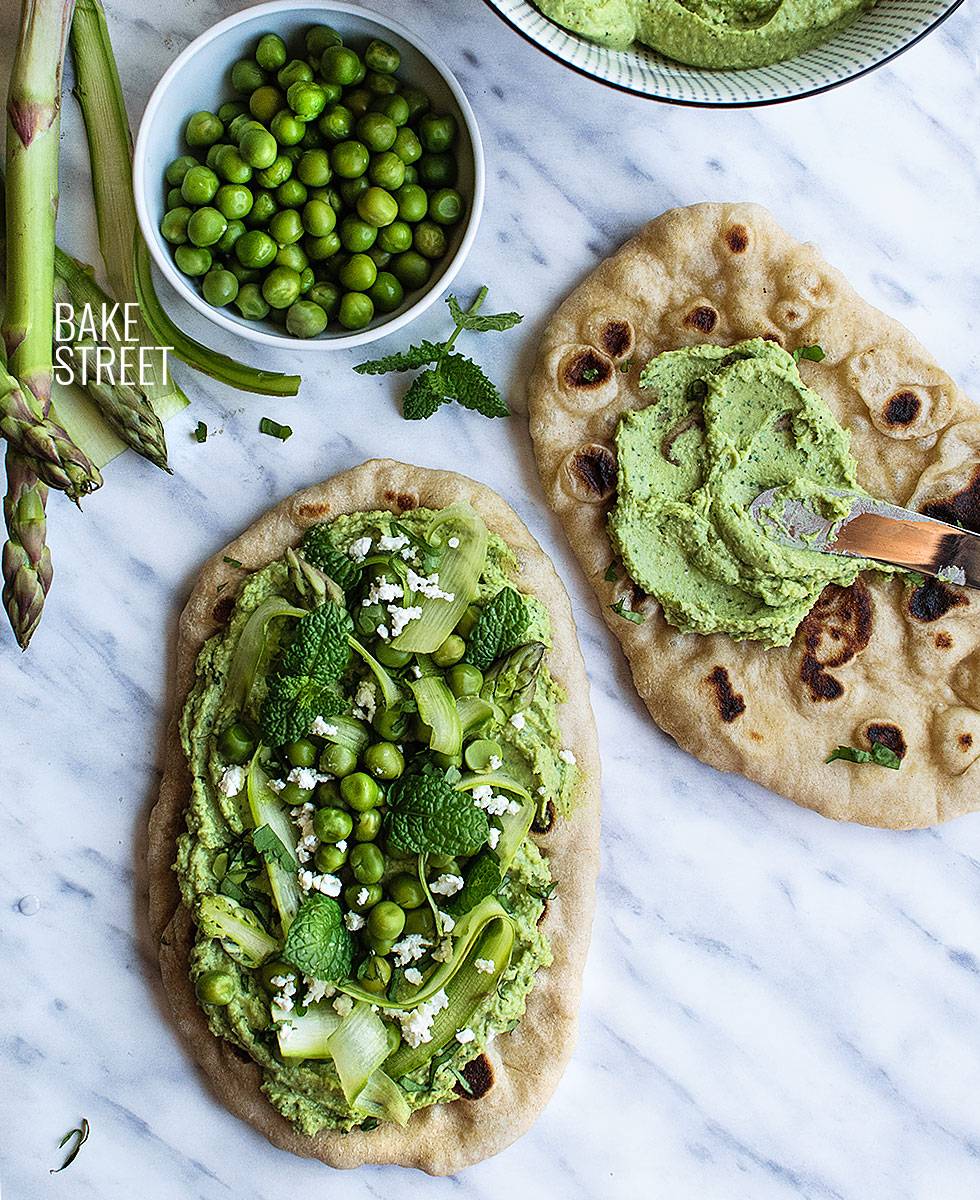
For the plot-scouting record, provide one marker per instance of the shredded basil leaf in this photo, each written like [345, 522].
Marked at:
[612, 572]
[810, 353]
[622, 609]
[81, 1137]
[879, 754]
[274, 429]
[201, 432]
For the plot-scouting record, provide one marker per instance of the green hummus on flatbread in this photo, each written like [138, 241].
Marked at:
[709, 33]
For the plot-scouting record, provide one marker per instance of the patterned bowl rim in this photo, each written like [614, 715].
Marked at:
[679, 103]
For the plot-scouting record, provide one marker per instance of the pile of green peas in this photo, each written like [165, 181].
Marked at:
[325, 193]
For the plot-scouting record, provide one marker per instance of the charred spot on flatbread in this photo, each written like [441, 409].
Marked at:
[884, 733]
[617, 338]
[962, 508]
[402, 501]
[737, 239]
[943, 641]
[902, 408]
[222, 609]
[478, 1074]
[309, 513]
[965, 741]
[591, 472]
[933, 599]
[586, 370]
[702, 317]
[837, 628]
[731, 704]
[545, 819]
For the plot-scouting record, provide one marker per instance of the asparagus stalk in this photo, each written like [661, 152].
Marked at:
[33, 128]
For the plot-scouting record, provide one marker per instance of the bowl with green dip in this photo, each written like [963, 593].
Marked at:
[724, 53]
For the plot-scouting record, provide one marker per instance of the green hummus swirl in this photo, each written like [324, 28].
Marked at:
[309, 1092]
[724, 425]
[720, 34]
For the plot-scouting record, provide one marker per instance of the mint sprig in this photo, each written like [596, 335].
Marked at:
[450, 376]
[318, 943]
[880, 754]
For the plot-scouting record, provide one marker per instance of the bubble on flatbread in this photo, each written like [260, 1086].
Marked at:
[905, 399]
[883, 732]
[836, 629]
[611, 333]
[932, 599]
[589, 473]
[803, 284]
[737, 238]
[702, 317]
[790, 314]
[966, 679]
[586, 378]
[956, 738]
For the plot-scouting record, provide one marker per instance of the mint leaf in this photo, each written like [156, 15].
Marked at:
[612, 572]
[319, 646]
[465, 382]
[483, 323]
[421, 355]
[318, 943]
[500, 627]
[622, 609]
[879, 754]
[427, 815]
[292, 705]
[272, 848]
[810, 353]
[318, 549]
[483, 877]
[201, 432]
[424, 397]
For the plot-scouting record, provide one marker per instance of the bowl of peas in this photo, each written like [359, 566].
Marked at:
[309, 175]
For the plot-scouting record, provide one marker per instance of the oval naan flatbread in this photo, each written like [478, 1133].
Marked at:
[522, 1068]
[882, 660]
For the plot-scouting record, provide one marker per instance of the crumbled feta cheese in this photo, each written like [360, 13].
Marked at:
[354, 921]
[518, 720]
[316, 990]
[416, 671]
[328, 885]
[363, 896]
[494, 837]
[232, 781]
[341, 845]
[381, 591]
[542, 790]
[417, 1024]
[392, 542]
[382, 632]
[465, 1036]
[400, 617]
[322, 728]
[277, 784]
[306, 777]
[447, 885]
[496, 806]
[360, 549]
[486, 965]
[567, 756]
[428, 585]
[366, 700]
[444, 951]
[496, 762]
[446, 922]
[285, 986]
[413, 975]
[409, 949]
[453, 543]
[343, 1005]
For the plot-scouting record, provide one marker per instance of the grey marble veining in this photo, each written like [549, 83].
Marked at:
[775, 1007]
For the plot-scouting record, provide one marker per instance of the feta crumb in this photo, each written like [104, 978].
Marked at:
[444, 951]
[391, 542]
[518, 720]
[381, 591]
[486, 965]
[447, 885]
[446, 922]
[343, 1005]
[417, 1024]
[453, 543]
[496, 762]
[465, 1036]
[366, 700]
[360, 549]
[400, 617]
[494, 837]
[354, 921]
[303, 820]
[409, 949]
[316, 990]
[542, 790]
[382, 632]
[428, 585]
[232, 781]
[327, 885]
[322, 728]
[341, 845]
[285, 986]
[567, 756]
[306, 777]
[416, 671]
[363, 896]
[277, 784]
[413, 975]
[496, 806]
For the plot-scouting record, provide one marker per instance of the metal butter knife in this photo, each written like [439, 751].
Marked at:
[876, 530]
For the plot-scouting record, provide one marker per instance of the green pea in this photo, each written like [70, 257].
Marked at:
[273, 970]
[368, 825]
[301, 753]
[249, 302]
[174, 225]
[478, 753]
[406, 891]
[418, 102]
[228, 239]
[307, 100]
[337, 123]
[351, 190]
[393, 725]
[295, 71]
[270, 53]
[384, 760]
[380, 85]
[327, 296]
[305, 318]
[394, 107]
[437, 133]
[464, 680]
[291, 194]
[360, 896]
[411, 173]
[275, 174]
[429, 239]
[437, 170]
[379, 947]
[306, 281]
[446, 206]
[386, 292]
[220, 287]
[242, 274]
[334, 825]
[233, 201]
[212, 155]
[327, 794]
[367, 862]
[265, 102]
[246, 76]
[420, 920]
[330, 859]
[360, 791]
[313, 168]
[294, 153]
[258, 147]
[358, 273]
[369, 617]
[292, 255]
[236, 743]
[293, 795]
[203, 129]
[193, 260]
[350, 159]
[357, 235]
[329, 195]
[175, 198]
[199, 185]
[406, 147]
[321, 248]
[286, 227]
[395, 238]
[280, 288]
[338, 760]
[339, 64]
[450, 652]
[230, 166]
[287, 128]
[319, 218]
[238, 125]
[377, 131]
[356, 310]
[374, 974]
[386, 921]
[230, 110]
[411, 270]
[255, 249]
[263, 207]
[413, 203]
[176, 171]
[388, 171]
[319, 37]
[380, 56]
[312, 138]
[215, 987]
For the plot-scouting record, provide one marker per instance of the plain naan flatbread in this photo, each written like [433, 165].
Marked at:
[524, 1066]
[882, 660]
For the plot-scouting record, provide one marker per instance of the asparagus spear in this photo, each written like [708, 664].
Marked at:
[33, 128]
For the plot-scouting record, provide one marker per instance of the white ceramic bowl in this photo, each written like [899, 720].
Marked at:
[874, 39]
[198, 79]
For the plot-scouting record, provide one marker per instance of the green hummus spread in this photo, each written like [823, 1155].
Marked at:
[709, 33]
[724, 425]
[232, 871]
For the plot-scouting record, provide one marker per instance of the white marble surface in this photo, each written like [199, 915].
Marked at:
[775, 1006]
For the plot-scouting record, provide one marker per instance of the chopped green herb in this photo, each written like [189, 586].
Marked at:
[232, 562]
[915, 578]
[544, 894]
[450, 376]
[612, 572]
[622, 609]
[810, 353]
[463, 1082]
[272, 848]
[274, 429]
[626, 366]
[369, 1123]
[882, 756]
[81, 1137]
[589, 374]
[201, 432]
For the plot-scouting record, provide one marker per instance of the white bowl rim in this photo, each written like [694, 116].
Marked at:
[260, 335]
[678, 102]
